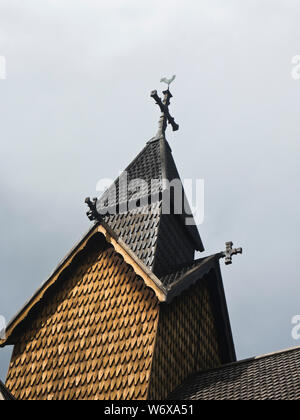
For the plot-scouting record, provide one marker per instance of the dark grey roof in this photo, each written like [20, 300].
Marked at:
[177, 275]
[139, 230]
[274, 376]
[5, 395]
[146, 166]
[162, 241]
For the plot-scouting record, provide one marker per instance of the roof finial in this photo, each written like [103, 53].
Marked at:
[92, 214]
[229, 252]
[164, 107]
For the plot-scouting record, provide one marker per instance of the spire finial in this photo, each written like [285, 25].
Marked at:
[164, 107]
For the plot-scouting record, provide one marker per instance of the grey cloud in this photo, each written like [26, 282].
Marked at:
[76, 107]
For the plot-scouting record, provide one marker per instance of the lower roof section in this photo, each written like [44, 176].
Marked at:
[5, 395]
[274, 376]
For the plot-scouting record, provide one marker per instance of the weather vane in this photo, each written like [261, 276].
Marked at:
[168, 81]
[164, 107]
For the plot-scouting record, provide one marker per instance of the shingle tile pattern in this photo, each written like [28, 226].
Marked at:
[271, 377]
[161, 241]
[181, 271]
[139, 230]
[92, 339]
[147, 166]
[187, 339]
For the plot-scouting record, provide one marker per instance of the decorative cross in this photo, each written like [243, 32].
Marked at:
[229, 252]
[165, 116]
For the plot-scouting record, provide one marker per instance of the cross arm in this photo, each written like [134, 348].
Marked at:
[157, 99]
[171, 121]
[164, 107]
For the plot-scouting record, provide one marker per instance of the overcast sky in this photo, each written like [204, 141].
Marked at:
[76, 108]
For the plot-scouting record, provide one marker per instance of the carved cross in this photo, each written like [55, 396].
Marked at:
[165, 116]
[229, 252]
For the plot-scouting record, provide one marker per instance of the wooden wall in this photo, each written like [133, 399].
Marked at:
[93, 338]
[187, 340]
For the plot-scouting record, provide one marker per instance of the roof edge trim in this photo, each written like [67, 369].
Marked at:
[191, 277]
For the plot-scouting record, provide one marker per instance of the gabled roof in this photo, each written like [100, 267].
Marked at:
[165, 288]
[5, 395]
[93, 338]
[147, 230]
[99, 233]
[186, 270]
[274, 376]
[159, 246]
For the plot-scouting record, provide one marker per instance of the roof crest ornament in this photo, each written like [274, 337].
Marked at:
[165, 117]
[229, 252]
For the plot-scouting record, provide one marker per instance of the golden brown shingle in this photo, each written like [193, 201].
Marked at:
[187, 339]
[92, 339]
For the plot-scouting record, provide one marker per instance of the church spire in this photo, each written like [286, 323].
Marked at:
[147, 207]
[129, 313]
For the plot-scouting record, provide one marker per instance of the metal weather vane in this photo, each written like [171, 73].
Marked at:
[164, 107]
[168, 81]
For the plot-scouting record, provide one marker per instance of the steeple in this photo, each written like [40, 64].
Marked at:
[128, 313]
[147, 207]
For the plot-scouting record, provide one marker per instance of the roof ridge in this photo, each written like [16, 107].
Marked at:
[186, 279]
[188, 264]
[247, 360]
[274, 353]
[170, 172]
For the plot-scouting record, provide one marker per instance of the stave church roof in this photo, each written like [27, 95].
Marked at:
[130, 313]
[274, 376]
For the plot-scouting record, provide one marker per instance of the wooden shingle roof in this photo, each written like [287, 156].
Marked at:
[146, 230]
[90, 330]
[274, 376]
[93, 338]
[98, 233]
[165, 288]
[156, 245]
